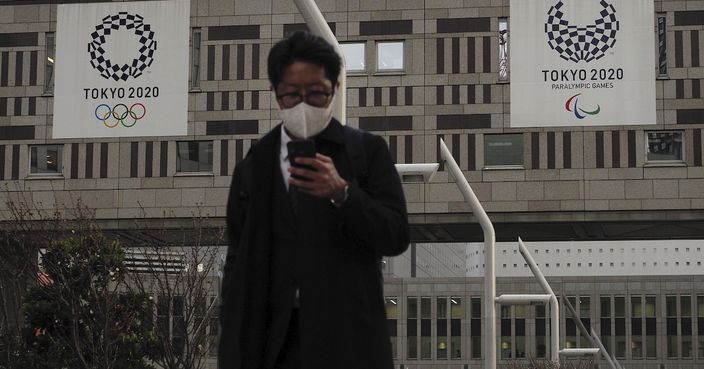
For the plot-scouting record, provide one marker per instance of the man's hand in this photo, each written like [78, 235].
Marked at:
[323, 181]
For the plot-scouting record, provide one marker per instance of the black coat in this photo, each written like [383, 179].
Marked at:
[342, 313]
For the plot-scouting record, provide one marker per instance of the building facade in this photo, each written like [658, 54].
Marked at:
[418, 71]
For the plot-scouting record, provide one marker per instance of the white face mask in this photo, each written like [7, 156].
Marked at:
[304, 121]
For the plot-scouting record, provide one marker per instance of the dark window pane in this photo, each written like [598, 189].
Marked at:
[456, 327]
[411, 327]
[664, 146]
[506, 328]
[605, 327]
[476, 308]
[194, 156]
[425, 327]
[636, 328]
[476, 327]
[650, 326]
[605, 306]
[520, 327]
[686, 326]
[620, 327]
[671, 308]
[503, 149]
[442, 327]
[570, 328]
[540, 327]
[671, 326]
[442, 307]
[412, 308]
[46, 159]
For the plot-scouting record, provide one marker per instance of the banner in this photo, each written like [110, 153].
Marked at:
[121, 69]
[582, 62]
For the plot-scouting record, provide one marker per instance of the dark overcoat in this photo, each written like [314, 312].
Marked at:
[342, 314]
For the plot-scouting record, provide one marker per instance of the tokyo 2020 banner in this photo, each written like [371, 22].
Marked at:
[582, 62]
[121, 69]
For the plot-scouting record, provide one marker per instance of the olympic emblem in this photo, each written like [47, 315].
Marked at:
[117, 72]
[121, 114]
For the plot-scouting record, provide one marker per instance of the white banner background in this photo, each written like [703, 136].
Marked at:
[536, 102]
[162, 88]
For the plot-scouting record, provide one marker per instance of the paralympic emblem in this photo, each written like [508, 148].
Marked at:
[120, 114]
[571, 106]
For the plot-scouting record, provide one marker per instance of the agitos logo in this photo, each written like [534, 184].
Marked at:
[145, 57]
[572, 106]
[586, 43]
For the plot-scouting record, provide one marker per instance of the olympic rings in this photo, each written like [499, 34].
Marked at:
[120, 112]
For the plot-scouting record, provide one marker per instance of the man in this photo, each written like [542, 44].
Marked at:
[302, 285]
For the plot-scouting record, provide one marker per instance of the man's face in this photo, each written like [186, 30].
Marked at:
[304, 81]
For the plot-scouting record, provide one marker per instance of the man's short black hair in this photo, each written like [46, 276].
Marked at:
[305, 47]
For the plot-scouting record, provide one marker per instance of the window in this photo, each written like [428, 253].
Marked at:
[650, 328]
[456, 314]
[662, 44]
[540, 325]
[503, 149]
[520, 327]
[620, 326]
[671, 325]
[686, 322]
[195, 62]
[389, 56]
[426, 340]
[476, 328]
[392, 319]
[503, 49]
[49, 64]
[412, 327]
[665, 146]
[700, 325]
[441, 328]
[606, 331]
[506, 332]
[46, 159]
[636, 327]
[194, 156]
[354, 56]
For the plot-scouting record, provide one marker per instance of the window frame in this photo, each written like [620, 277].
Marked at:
[364, 57]
[60, 159]
[195, 60]
[403, 57]
[504, 166]
[212, 159]
[662, 65]
[49, 63]
[675, 162]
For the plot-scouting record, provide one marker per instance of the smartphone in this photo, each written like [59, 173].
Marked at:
[300, 148]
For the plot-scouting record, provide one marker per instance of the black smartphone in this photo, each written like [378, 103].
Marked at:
[300, 148]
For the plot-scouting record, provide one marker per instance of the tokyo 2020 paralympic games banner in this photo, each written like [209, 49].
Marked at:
[121, 69]
[582, 62]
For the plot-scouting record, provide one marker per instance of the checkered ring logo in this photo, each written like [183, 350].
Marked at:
[586, 43]
[145, 54]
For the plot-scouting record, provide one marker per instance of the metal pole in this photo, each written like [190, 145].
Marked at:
[554, 305]
[603, 350]
[318, 26]
[489, 257]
